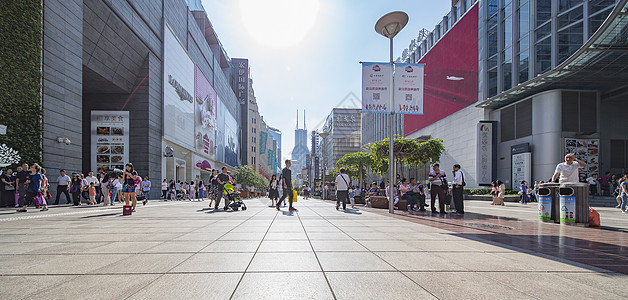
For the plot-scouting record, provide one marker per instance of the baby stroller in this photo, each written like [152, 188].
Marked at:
[232, 197]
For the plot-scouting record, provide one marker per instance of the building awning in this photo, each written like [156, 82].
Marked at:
[600, 64]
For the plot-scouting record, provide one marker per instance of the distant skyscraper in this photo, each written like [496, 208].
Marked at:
[300, 151]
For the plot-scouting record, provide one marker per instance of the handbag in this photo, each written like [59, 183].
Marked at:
[40, 200]
[9, 187]
[294, 195]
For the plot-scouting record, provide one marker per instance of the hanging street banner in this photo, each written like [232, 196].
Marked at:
[409, 88]
[376, 79]
[263, 137]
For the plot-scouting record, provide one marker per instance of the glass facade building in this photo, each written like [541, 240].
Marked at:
[526, 38]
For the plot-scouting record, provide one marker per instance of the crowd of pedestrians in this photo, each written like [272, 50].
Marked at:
[29, 186]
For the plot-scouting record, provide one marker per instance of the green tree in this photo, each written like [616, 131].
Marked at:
[411, 152]
[245, 175]
[356, 164]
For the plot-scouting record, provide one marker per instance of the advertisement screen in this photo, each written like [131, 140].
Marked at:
[451, 74]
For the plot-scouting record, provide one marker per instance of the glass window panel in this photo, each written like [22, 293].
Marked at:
[543, 56]
[524, 59]
[570, 17]
[543, 11]
[491, 62]
[543, 31]
[508, 10]
[507, 32]
[507, 75]
[492, 41]
[492, 82]
[492, 21]
[598, 5]
[524, 20]
[564, 5]
[507, 123]
[524, 43]
[507, 54]
[492, 7]
[596, 21]
[569, 40]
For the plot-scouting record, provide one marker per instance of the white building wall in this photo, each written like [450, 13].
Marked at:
[458, 132]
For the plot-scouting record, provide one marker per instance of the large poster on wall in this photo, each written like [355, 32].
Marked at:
[178, 93]
[205, 115]
[376, 79]
[110, 140]
[587, 150]
[409, 88]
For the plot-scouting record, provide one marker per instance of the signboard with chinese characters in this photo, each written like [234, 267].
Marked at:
[586, 150]
[109, 140]
[484, 153]
[178, 92]
[409, 88]
[376, 79]
[521, 169]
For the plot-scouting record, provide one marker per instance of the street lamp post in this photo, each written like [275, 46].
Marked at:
[389, 26]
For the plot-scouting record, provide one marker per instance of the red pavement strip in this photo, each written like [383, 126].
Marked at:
[598, 247]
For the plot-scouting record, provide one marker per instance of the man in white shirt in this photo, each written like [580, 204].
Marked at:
[592, 181]
[63, 184]
[568, 171]
[342, 189]
[457, 186]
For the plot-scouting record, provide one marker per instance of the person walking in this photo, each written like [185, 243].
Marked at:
[458, 189]
[342, 189]
[437, 179]
[222, 178]
[287, 185]
[568, 171]
[145, 189]
[75, 189]
[91, 191]
[33, 186]
[592, 181]
[200, 190]
[623, 186]
[164, 189]
[105, 189]
[273, 193]
[20, 183]
[128, 189]
[93, 179]
[523, 191]
[43, 195]
[63, 186]
[280, 187]
[8, 180]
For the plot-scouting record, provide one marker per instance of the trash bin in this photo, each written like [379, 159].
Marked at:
[574, 203]
[548, 202]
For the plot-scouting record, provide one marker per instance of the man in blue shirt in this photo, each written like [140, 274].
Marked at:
[34, 186]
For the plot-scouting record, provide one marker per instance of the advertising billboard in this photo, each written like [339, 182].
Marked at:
[178, 94]
[409, 88]
[451, 74]
[376, 79]
[205, 115]
[110, 140]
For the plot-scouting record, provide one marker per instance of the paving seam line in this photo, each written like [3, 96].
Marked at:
[316, 255]
[255, 253]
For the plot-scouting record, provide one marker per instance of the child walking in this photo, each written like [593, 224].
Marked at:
[92, 194]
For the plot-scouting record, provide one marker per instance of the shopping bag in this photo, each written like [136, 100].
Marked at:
[126, 210]
[594, 218]
[40, 200]
[294, 196]
[17, 198]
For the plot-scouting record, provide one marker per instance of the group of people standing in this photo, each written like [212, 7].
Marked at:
[32, 187]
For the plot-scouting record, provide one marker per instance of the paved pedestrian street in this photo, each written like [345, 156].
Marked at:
[183, 250]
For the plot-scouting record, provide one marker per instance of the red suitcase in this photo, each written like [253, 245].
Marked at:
[126, 210]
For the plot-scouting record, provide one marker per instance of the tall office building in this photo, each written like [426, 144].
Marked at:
[300, 150]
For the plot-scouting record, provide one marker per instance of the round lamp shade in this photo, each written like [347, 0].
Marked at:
[391, 23]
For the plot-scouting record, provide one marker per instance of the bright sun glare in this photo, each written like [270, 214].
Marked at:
[279, 23]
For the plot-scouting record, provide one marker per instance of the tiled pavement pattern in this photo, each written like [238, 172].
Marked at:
[185, 251]
[517, 225]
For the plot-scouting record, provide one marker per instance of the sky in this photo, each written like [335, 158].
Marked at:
[306, 54]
